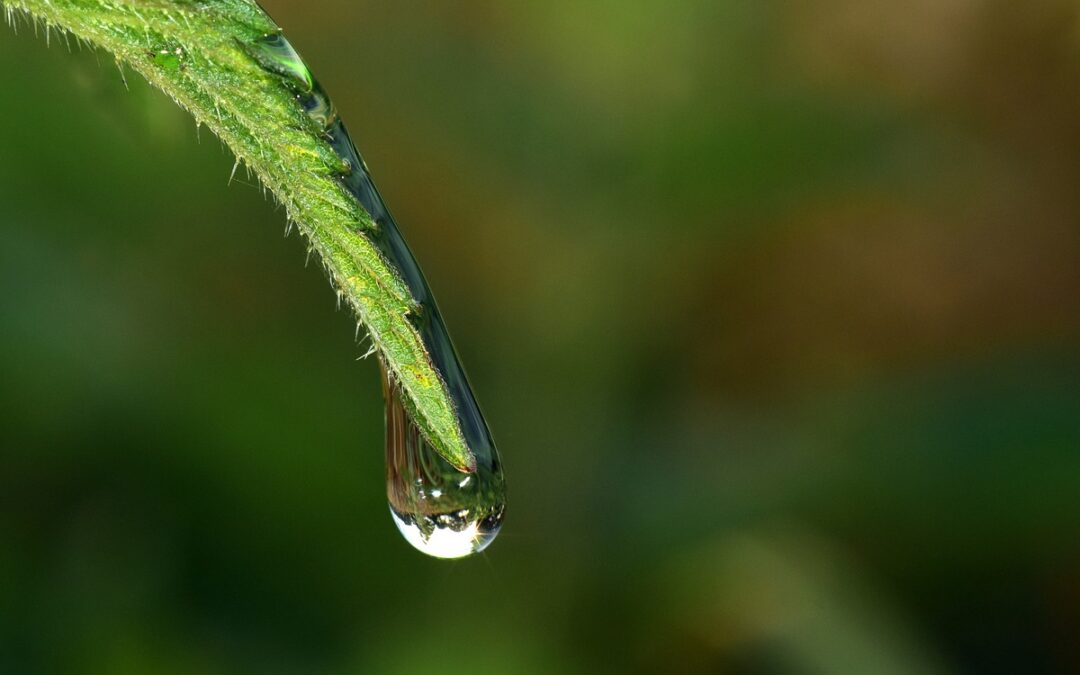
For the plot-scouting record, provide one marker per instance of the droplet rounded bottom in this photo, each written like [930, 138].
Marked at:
[448, 535]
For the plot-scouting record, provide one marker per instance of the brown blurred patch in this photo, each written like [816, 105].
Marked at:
[908, 47]
[978, 252]
[875, 284]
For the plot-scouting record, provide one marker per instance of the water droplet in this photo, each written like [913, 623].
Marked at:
[441, 511]
[318, 107]
[274, 53]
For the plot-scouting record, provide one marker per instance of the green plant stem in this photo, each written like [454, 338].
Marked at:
[194, 51]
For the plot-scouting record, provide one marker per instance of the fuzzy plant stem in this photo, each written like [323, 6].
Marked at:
[199, 53]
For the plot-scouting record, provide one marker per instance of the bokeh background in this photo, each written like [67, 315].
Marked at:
[773, 307]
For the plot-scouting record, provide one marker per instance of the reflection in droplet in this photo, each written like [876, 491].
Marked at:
[438, 509]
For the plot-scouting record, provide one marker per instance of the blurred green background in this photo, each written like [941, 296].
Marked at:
[773, 308]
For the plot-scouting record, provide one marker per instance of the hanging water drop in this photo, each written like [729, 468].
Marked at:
[441, 511]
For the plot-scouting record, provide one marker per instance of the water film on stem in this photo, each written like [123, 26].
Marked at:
[441, 510]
